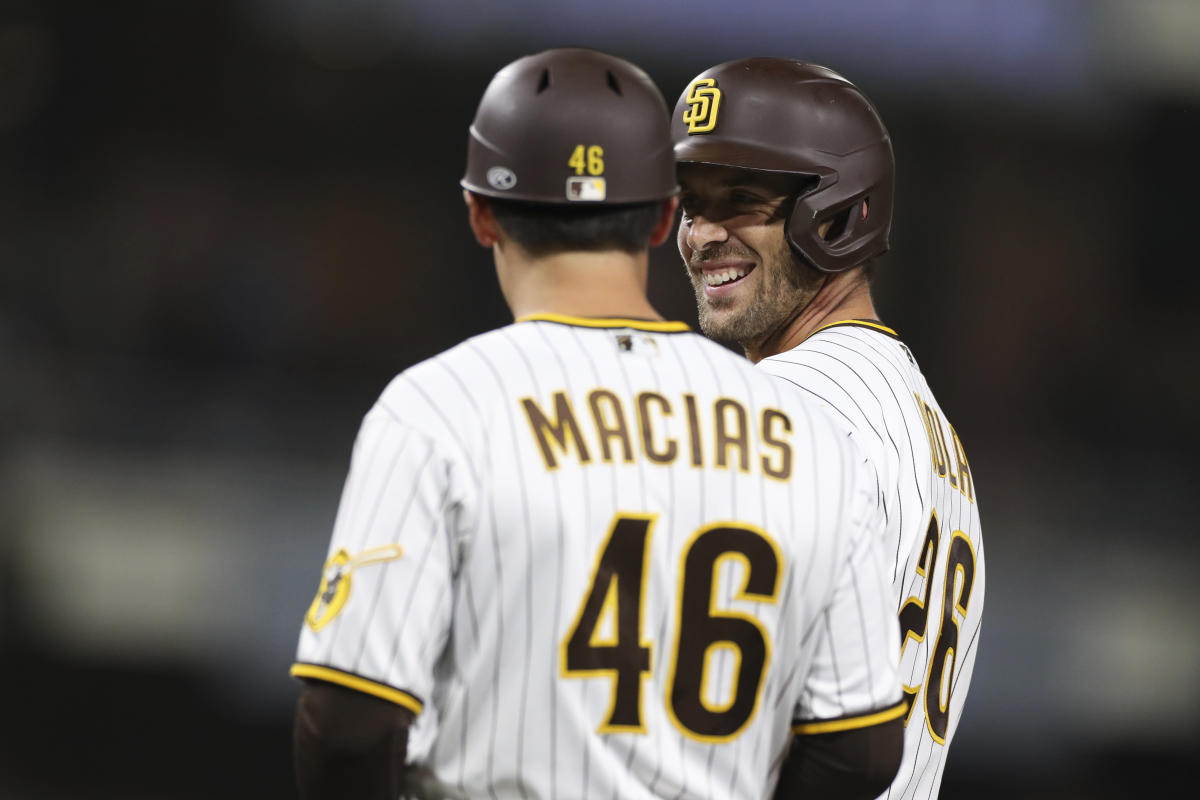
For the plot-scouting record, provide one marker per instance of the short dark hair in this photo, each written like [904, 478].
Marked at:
[543, 229]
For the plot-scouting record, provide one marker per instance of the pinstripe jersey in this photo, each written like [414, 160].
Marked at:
[867, 377]
[605, 559]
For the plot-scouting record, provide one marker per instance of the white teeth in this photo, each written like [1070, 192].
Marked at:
[721, 276]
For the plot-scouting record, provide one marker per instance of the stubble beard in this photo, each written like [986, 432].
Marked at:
[784, 288]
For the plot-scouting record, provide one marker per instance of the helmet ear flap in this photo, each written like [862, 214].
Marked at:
[846, 224]
[834, 238]
[837, 226]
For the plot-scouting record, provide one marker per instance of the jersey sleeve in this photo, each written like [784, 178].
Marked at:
[853, 682]
[381, 615]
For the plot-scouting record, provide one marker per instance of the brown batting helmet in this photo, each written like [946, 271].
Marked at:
[780, 115]
[571, 125]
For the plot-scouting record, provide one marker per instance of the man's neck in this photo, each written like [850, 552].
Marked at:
[843, 295]
[604, 284]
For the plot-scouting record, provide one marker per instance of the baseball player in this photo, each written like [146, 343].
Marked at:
[786, 173]
[592, 554]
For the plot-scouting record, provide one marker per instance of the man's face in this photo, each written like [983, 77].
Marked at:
[748, 283]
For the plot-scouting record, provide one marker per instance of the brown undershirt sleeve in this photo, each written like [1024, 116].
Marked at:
[347, 744]
[857, 764]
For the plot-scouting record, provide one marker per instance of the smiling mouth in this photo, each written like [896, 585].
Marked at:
[724, 276]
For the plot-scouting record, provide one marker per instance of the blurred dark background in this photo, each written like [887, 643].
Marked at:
[225, 225]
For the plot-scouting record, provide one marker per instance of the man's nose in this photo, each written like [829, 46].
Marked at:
[705, 231]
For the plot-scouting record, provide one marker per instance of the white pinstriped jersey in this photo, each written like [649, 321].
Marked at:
[606, 559]
[871, 382]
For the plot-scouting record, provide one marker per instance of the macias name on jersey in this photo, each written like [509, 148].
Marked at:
[959, 474]
[602, 426]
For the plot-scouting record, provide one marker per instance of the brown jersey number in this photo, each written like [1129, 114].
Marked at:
[914, 622]
[606, 638]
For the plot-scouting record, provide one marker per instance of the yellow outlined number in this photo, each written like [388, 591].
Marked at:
[703, 630]
[605, 639]
[616, 595]
[587, 159]
[914, 619]
[914, 614]
[961, 559]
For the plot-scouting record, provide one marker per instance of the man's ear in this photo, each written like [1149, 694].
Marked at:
[666, 222]
[479, 216]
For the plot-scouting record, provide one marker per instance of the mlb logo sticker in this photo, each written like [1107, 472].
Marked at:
[587, 190]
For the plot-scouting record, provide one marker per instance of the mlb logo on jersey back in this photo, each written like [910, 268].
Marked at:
[640, 344]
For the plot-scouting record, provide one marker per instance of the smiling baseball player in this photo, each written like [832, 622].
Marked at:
[786, 173]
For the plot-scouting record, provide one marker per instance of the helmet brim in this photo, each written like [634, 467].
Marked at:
[740, 155]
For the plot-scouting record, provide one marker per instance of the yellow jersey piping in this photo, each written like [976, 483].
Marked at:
[851, 723]
[860, 323]
[657, 326]
[382, 691]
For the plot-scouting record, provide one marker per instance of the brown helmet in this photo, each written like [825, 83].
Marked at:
[571, 125]
[780, 115]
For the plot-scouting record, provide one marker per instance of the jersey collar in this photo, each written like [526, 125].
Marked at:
[860, 323]
[658, 326]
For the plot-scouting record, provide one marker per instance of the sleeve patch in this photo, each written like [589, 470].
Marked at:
[334, 589]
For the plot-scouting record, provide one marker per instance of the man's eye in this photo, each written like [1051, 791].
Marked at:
[744, 198]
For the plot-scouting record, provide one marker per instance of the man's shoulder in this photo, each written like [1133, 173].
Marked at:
[448, 388]
[848, 356]
[467, 365]
[851, 340]
[862, 373]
